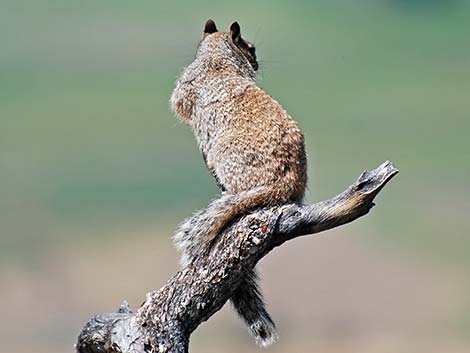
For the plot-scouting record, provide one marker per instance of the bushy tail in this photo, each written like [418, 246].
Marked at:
[248, 302]
[195, 235]
[194, 238]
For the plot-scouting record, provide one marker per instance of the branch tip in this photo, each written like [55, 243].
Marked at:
[372, 181]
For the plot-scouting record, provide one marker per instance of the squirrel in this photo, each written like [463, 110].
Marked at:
[251, 146]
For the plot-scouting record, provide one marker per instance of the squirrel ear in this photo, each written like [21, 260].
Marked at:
[210, 27]
[235, 31]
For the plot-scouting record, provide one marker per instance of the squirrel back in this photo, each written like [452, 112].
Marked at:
[247, 139]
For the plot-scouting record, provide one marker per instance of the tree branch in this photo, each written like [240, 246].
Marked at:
[165, 321]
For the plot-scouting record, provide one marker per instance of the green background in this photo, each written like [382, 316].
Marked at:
[95, 171]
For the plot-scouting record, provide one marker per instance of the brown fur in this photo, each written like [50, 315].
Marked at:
[249, 142]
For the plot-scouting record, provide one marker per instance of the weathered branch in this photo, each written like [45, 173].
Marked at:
[165, 321]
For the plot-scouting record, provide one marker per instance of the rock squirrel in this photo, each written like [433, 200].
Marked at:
[251, 146]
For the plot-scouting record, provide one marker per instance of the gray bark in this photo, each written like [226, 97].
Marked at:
[168, 316]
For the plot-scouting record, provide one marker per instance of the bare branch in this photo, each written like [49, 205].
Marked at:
[165, 321]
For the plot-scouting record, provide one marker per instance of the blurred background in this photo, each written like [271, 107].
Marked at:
[95, 171]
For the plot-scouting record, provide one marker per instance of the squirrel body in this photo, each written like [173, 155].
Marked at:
[250, 144]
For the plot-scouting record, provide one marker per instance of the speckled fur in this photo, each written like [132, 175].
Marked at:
[250, 144]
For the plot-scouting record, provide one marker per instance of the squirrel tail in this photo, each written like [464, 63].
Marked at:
[194, 239]
[248, 302]
[195, 235]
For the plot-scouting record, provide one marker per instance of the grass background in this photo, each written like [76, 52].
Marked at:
[95, 172]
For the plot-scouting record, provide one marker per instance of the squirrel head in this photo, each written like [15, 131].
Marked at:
[228, 46]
